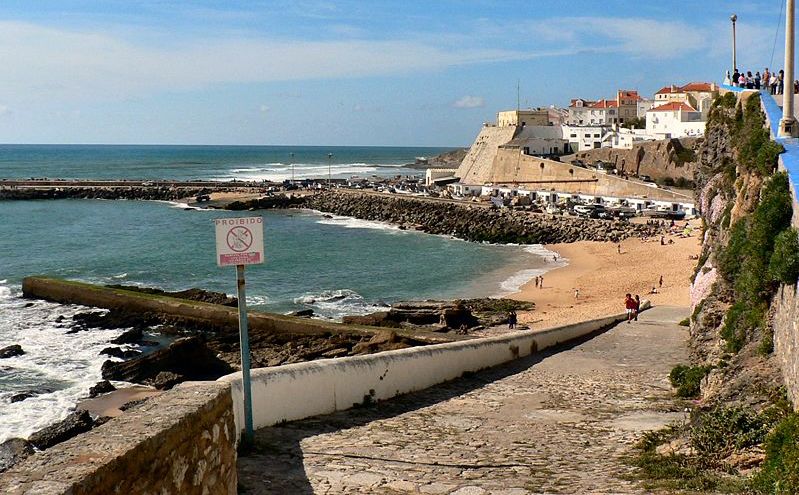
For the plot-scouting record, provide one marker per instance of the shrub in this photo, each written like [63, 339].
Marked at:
[729, 259]
[687, 379]
[724, 430]
[784, 263]
[685, 323]
[780, 471]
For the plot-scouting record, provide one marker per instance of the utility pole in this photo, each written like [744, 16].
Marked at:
[518, 95]
[788, 126]
[733, 18]
[329, 173]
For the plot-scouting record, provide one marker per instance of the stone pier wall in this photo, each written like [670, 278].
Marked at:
[180, 443]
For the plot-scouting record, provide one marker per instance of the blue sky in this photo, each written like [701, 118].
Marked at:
[320, 72]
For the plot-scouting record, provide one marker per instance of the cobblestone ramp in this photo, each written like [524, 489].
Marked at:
[557, 422]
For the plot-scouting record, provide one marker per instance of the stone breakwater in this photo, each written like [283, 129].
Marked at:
[161, 193]
[475, 222]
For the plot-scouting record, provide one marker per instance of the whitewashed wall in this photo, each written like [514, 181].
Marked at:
[301, 390]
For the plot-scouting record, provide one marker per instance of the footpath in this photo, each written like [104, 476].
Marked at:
[558, 422]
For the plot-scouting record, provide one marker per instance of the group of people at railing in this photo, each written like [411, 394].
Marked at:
[768, 81]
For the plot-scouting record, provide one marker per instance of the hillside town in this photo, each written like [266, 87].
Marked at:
[544, 155]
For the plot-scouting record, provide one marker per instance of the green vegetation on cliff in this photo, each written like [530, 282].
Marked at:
[743, 420]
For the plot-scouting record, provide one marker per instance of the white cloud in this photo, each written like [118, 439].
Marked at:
[46, 62]
[265, 108]
[469, 102]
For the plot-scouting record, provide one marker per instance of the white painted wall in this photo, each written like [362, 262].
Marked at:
[301, 390]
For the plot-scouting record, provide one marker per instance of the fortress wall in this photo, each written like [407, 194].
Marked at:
[182, 442]
[511, 165]
[476, 166]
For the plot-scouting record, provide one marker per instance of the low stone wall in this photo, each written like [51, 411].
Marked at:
[181, 442]
[301, 390]
[475, 222]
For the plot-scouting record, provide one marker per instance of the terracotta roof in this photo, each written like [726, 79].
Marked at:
[667, 90]
[673, 107]
[605, 104]
[586, 103]
[698, 86]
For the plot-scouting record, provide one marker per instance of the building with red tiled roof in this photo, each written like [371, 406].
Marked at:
[696, 94]
[673, 120]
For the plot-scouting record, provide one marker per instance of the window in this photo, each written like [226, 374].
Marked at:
[587, 136]
[573, 135]
[596, 135]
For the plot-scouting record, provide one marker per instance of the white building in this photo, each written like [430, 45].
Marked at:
[674, 120]
[586, 137]
[625, 138]
[644, 105]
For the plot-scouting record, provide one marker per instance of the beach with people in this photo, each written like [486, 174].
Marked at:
[601, 274]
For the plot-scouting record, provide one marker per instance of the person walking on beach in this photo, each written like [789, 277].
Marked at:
[660, 283]
[637, 306]
[511, 319]
[536, 281]
[619, 247]
[577, 293]
[629, 305]
[541, 282]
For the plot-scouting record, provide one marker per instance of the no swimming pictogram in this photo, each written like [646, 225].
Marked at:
[239, 239]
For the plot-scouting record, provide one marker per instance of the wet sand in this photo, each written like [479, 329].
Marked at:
[603, 277]
[109, 404]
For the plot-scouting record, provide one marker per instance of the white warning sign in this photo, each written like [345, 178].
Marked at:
[239, 241]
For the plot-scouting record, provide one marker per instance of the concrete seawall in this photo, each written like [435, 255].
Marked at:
[210, 316]
[301, 390]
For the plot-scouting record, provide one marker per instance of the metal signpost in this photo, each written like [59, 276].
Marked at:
[239, 242]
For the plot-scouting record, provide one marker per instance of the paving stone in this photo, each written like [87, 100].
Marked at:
[560, 422]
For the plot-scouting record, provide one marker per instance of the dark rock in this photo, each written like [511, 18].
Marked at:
[131, 404]
[101, 388]
[76, 423]
[11, 351]
[119, 353]
[12, 451]
[131, 336]
[166, 380]
[302, 313]
[22, 396]
[188, 357]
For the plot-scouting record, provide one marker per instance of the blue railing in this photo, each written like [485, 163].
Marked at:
[789, 159]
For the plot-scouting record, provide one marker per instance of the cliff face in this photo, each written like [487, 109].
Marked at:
[742, 368]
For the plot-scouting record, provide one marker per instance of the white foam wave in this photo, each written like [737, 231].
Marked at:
[67, 363]
[121, 275]
[515, 282]
[257, 300]
[334, 304]
[354, 223]
[279, 172]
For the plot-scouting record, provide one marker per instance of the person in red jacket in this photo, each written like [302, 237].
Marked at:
[629, 304]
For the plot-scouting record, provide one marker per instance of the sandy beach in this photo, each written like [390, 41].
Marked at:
[603, 277]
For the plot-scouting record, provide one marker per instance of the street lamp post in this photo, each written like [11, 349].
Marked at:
[329, 174]
[291, 162]
[733, 18]
[788, 127]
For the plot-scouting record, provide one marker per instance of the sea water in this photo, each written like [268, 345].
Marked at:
[335, 266]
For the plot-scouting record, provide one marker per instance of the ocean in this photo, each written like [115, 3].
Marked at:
[335, 266]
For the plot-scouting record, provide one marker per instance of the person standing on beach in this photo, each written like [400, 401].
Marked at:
[637, 306]
[577, 293]
[629, 305]
[619, 248]
[541, 282]
[536, 281]
[660, 282]
[511, 319]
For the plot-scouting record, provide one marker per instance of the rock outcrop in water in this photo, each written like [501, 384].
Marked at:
[11, 351]
[165, 193]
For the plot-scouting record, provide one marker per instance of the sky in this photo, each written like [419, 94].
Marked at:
[319, 72]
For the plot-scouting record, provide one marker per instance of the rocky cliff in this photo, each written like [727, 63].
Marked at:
[672, 159]
[742, 434]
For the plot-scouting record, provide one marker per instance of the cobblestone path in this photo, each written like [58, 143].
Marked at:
[558, 422]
